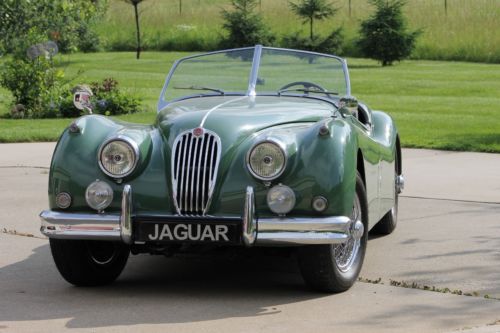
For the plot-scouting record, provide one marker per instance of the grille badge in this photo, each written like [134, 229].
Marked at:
[197, 132]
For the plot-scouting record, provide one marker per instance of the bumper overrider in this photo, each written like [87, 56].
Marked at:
[262, 231]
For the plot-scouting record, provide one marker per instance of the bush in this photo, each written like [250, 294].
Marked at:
[35, 85]
[107, 100]
[332, 44]
[384, 35]
[245, 27]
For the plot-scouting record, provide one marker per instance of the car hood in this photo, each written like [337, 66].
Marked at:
[234, 118]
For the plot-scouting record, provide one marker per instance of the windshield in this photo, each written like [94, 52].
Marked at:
[256, 71]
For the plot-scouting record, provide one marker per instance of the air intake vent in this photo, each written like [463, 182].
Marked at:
[196, 155]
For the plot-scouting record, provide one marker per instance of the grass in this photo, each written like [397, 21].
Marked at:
[468, 32]
[436, 104]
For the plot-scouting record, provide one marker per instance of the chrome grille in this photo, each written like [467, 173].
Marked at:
[196, 155]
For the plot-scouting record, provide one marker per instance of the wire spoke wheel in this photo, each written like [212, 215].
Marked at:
[345, 254]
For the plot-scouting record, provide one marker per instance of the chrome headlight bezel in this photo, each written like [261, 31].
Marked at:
[281, 147]
[128, 141]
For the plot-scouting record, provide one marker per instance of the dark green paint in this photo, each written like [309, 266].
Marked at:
[316, 165]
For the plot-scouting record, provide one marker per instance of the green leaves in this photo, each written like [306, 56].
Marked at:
[384, 35]
[244, 26]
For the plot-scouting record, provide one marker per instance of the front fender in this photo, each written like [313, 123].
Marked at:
[75, 164]
[317, 166]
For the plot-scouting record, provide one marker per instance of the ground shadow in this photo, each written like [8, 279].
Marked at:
[153, 290]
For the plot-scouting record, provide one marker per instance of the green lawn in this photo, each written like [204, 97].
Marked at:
[442, 105]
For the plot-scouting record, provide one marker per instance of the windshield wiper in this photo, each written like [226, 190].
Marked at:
[309, 91]
[202, 88]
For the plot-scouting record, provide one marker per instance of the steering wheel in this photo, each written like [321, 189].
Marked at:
[305, 84]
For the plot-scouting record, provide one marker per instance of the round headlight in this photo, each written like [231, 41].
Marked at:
[266, 160]
[118, 158]
[280, 199]
[99, 195]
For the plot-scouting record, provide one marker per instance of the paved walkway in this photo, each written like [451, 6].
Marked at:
[448, 238]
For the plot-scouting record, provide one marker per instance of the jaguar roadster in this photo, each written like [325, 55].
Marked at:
[252, 147]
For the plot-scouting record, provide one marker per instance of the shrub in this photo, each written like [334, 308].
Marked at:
[35, 85]
[244, 26]
[107, 100]
[309, 11]
[332, 44]
[384, 35]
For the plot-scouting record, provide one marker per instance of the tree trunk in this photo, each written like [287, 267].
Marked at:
[311, 20]
[138, 31]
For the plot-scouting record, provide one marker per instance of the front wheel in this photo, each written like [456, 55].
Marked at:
[89, 263]
[335, 268]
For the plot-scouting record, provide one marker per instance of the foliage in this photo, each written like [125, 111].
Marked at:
[384, 35]
[35, 86]
[67, 22]
[332, 44]
[107, 100]
[310, 10]
[244, 26]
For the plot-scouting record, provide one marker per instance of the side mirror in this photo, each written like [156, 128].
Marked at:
[81, 98]
[348, 106]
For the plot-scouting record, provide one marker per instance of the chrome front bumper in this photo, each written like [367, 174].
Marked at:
[263, 231]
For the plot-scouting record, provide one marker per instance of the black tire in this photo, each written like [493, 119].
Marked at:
[318, 264]
[389, 222]
[89, 263]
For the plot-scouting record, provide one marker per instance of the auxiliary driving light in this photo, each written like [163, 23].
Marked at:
[319, 204]
[99, 195]
[63, 200]
[281, 199]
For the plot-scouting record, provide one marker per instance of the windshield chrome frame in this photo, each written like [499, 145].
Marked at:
[254, 71]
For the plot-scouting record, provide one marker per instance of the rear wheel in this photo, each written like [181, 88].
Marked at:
[89, 263]
[335, 268]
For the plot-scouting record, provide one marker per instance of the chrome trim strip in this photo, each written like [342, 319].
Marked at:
[126, 215]
[209, 112]
[316, 230]
[80, 226]
[131, 143]
[249, 222]
[302, 238]
[339, 224]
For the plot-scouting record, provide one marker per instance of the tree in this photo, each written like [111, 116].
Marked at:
[311, 10]
[68, 23]
[245, 27]
[384, 35]
[136, 3]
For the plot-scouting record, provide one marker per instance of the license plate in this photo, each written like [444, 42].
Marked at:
[187, 232]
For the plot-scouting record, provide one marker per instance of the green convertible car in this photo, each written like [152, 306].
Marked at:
[252, 147]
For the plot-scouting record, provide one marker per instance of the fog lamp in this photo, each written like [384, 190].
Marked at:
[99, 195]
[63, 200]
[280, 199]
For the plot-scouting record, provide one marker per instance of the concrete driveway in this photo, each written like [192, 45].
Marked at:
[447, 240]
